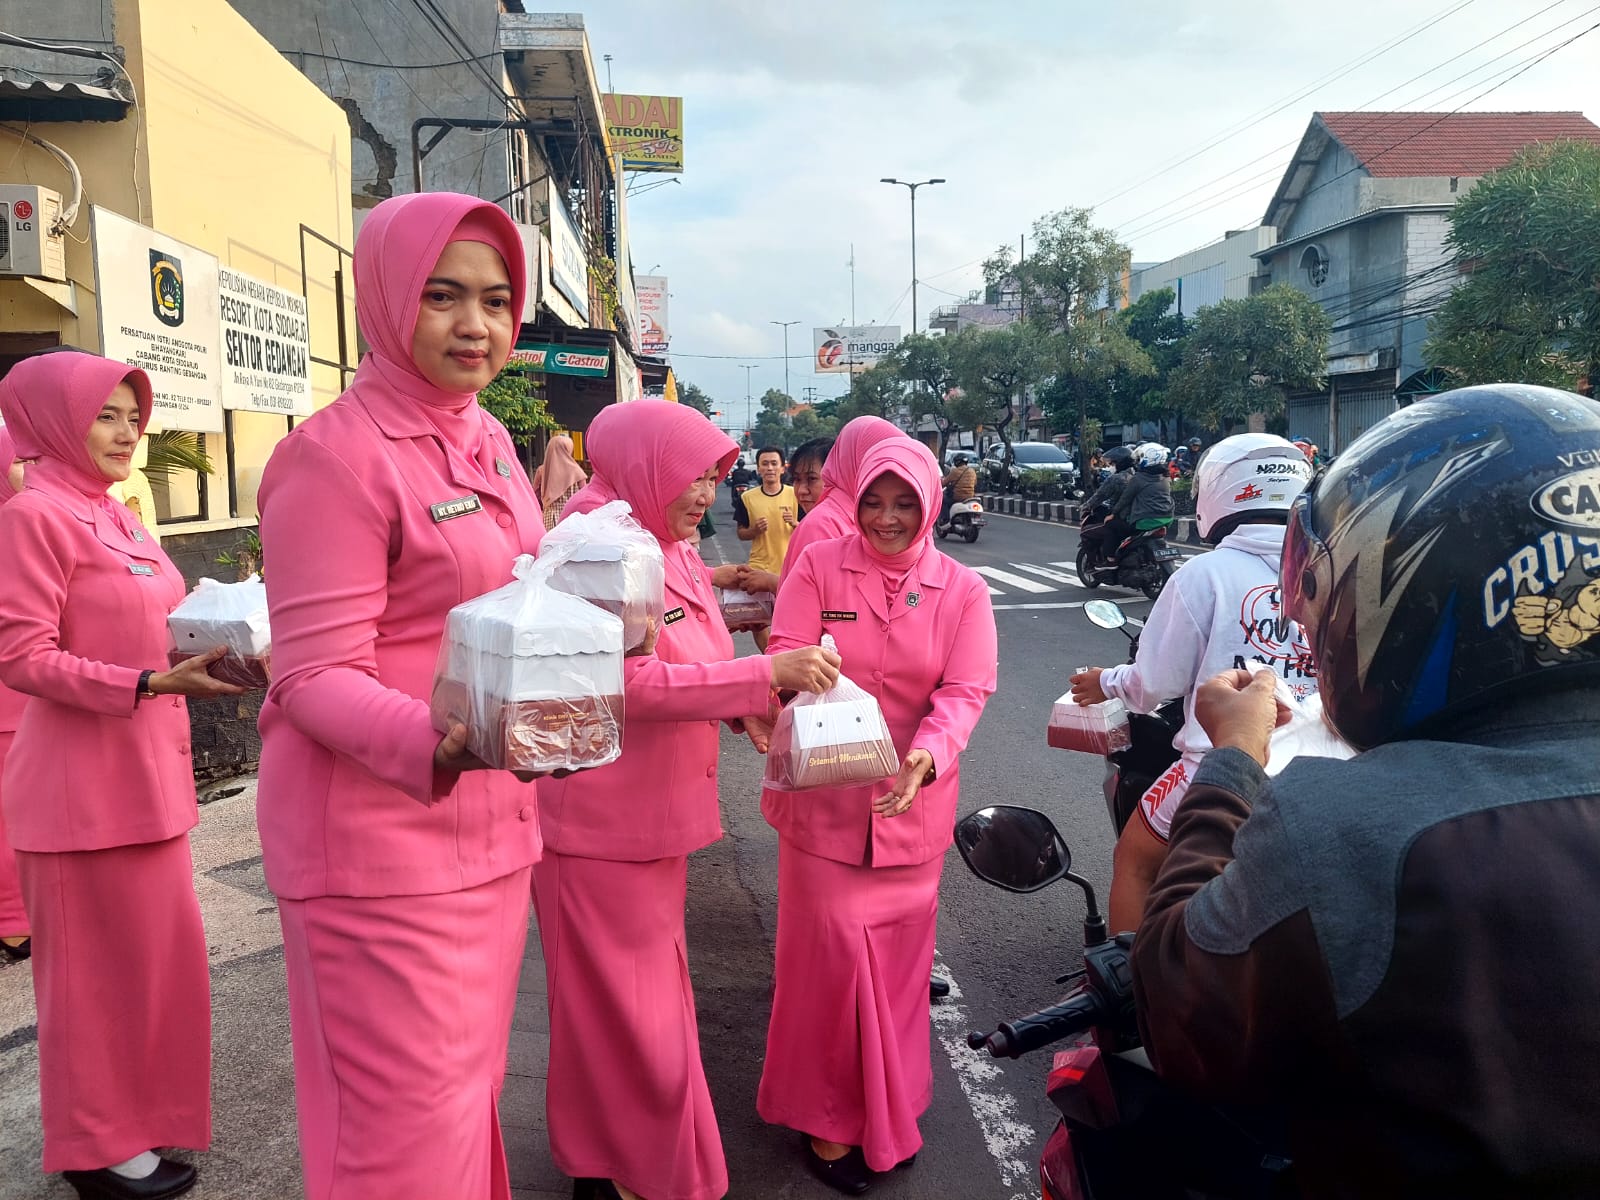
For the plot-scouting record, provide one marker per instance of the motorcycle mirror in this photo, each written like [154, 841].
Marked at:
[1013, 848]
[1105, 613]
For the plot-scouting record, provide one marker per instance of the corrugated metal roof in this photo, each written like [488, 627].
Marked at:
[29, 98]
[1400, 144]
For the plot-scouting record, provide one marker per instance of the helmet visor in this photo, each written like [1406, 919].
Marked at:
[1305, 575]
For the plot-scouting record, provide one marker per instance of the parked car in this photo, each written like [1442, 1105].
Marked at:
[1007, 476]
[950, 457]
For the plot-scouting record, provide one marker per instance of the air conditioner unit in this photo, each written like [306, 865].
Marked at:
[28, 243]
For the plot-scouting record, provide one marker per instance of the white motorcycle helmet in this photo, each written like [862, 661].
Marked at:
[1150, 456]
[1247, 477]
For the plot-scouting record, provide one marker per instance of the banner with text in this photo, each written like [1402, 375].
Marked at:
[266, 346]
[848, 348]
[569, 263]
[647, 131]
[653, 333]
[158, 305]
[563, 360]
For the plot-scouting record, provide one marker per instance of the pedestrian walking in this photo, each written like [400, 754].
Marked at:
[847, 1059]
[14, 941]
[400, 864]
[558, 479]
[99, 789]
[629, 1113]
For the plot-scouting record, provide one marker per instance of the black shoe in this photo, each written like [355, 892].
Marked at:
[18, 952]
[848, 1174]
[938, 988]
[905, 1164]
[168, 1179]
[595, 1189]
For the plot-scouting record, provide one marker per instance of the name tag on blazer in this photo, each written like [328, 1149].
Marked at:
[449, 510]
[141, 569]
[834, 614]
[676, 614]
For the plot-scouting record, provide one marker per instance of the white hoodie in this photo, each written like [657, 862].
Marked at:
[1216, 613]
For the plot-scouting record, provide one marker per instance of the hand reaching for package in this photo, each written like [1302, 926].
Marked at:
[916, 770]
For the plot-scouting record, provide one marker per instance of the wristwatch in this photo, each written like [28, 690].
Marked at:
[143, 690]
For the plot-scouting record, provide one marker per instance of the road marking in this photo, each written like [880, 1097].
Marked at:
[1066, 604]
[1071, 580]
[1020, 582]
[1008, 1138]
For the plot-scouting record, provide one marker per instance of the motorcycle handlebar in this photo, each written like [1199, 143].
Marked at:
[1015, 1038]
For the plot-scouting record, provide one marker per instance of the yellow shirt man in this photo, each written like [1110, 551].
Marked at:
[770, 513]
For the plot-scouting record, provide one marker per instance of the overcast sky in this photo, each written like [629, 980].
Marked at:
[793, 112]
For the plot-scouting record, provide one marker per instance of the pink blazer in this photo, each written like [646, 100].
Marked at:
[659, 800]
[363, 561]
[931, 667]
[85, 611]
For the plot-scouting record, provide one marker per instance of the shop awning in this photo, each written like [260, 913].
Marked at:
[28, 98]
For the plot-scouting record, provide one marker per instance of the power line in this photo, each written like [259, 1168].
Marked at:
[362, 62]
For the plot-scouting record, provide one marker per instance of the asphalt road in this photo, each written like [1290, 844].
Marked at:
[1002, 951]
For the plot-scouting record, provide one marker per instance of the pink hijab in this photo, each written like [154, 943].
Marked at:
[835, 513]
[913, 462]
[8, 455]
[558, 472]
[646, 452]
[396, 251]
[49, 402]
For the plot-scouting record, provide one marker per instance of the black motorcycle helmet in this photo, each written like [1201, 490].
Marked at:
[1120, 458]
[1450, 558]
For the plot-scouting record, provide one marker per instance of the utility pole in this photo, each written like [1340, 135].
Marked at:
[785, 325]
[852, 283]
[748, 367]
[912, 187]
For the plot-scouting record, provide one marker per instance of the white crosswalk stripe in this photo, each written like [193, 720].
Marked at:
[1041, 579]
[1021, 582]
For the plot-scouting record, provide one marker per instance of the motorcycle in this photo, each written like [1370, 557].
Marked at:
[1142, 560]
[1130, 772]
[1123, 1132]
[965, 519]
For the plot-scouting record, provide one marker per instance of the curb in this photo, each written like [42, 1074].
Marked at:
[1065, 512]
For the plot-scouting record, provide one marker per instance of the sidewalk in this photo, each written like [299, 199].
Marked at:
[253, 1153]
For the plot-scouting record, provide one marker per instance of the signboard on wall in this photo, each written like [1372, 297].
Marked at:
[159, 311]
[647, 131]
[266, 346]
[847, 348]
[569, 264]
[653, 333]
[564, 360]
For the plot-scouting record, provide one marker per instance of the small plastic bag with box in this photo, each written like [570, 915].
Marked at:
[225, 614]
[609, 559]
[836, 738]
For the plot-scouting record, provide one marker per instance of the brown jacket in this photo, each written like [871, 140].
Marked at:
[1402, 951]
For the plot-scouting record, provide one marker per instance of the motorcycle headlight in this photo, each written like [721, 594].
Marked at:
[976, 505]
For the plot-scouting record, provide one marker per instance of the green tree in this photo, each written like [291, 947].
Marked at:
[1529, 310]
[805, 424]
[694, 397]
[923, 364]
[772, 422]
[995, 367]
[516, 397]
[1245, 356]
[1152, 322]
[1069, 281]
[876, 391]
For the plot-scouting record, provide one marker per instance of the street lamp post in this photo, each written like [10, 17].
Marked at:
[748, 367]
[785, 325]
[912, 188]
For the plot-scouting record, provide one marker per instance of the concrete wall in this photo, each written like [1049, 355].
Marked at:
[1334, 194]
[1427, 255]
[334, 43]
[1220, 271]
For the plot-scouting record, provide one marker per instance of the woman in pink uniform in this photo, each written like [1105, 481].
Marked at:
[99, 789]
[858, 868]
[629, 1113]
[835, 515]
[14, 941]
[401, 868]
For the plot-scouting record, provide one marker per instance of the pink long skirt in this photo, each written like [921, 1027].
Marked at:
[848, 1045]
[13, 916]
[400, 1010]
[124, 998]
[626, 1097]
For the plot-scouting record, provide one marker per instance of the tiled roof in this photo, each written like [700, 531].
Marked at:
[1396, 144]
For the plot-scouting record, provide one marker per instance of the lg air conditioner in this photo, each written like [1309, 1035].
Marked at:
[29, 243]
